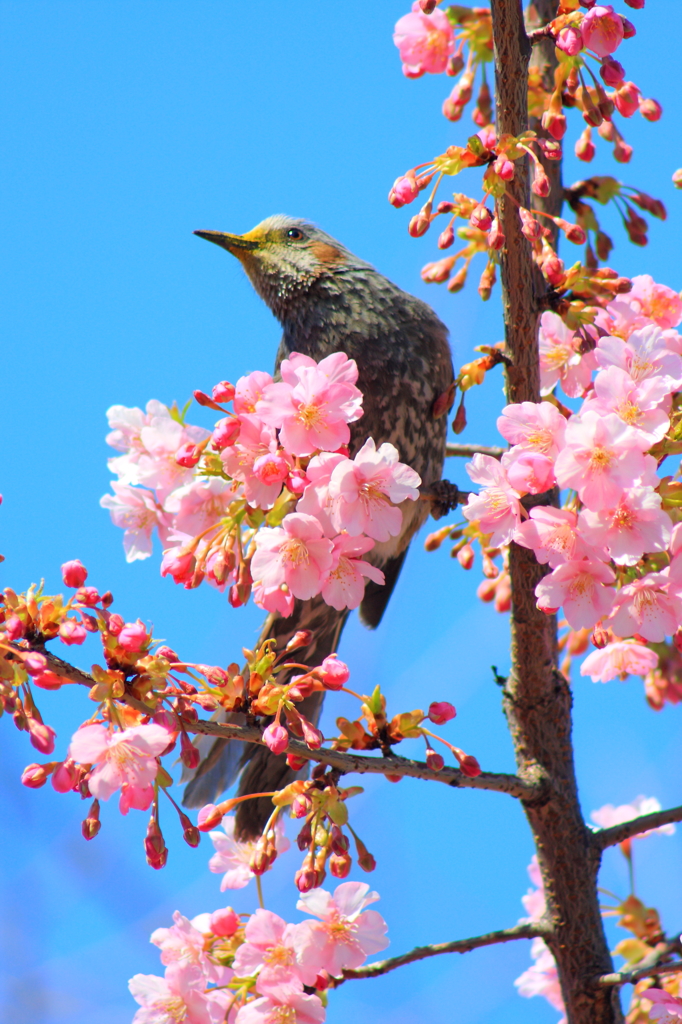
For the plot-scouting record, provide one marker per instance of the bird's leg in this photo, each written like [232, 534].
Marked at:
[444, 497]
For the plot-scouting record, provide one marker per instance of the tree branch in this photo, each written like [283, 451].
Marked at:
[345, 762]
[619, 833]
[520, 931]
[648, 966]
[467, 451]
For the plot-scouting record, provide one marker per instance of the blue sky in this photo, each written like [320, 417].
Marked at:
[127, 125]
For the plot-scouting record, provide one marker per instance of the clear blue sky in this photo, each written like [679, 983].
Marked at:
[126, 125]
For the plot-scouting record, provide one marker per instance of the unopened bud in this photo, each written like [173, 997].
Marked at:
[65, 776]
[421, 222]
[446, 238]
[340, 864]
[495, 237]
[91, 825]
[441, 712]
[36, 775]
[600, 636]
[460, 420]
[434, 761]
[457, 282]
[295, 762]
[203, 399]
[651, 110]
[154, 846]
[188, 455]
[301, 638]
[456, 64]
[189, 754]
[74, 573]
[223, 392]
[209, 817]
[41, 736]
[301, 806]
[465, 556]
[584, 147]
[304, 837]
[481, 218]
[468, 764]
[224, 922]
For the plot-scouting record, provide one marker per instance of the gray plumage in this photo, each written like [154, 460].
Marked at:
[328, 300]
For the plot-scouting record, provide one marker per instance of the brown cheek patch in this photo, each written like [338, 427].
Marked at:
[325, 253]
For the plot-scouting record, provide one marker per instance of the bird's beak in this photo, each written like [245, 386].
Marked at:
[238, 245]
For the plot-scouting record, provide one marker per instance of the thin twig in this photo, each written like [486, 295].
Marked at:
[619, 833]
[467, 451]
[345, 762]
[519, 931]
[635, 975]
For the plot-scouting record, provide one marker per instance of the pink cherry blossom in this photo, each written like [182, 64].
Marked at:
[642, 406]
[560, 358]
[645, 607]
[272, 468]
[534, 900]
[661, 304]
[622, 658]
[156, 466]
[666, 1008]
[552, 533]
[528, 472]
[365, 491]
[635, 526]
[337, 368]
[345, 584]
[269, 951]
[123, 760]
[248, 391]
[183, 943]
[296, 553]
[580, 587]
[316, 500]
[644, 355]
[496, 508]
[346, 933]
[602, 456]
[179, 996]
[137, 512]
[297, 1009]
[609, 815]
[273, 599]
[234, 857]
[256, 439]
[542, 978]
[533, 426]
[198, 505]
[602, 30]
[313, 414]
[425, 41]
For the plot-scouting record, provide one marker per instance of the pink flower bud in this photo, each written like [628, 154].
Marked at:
[189, 754]
[569, 40]
[188, 455]
[115, 624]
[612, 72]
[428, 6]
[481, 218]
[651, 110]
[154, 846]
[134, 636]
[306, 878]
[629, 29]
[312, 736]
[584, 147]
[74, 573]
[333, 672]
[339, 865]
[504, 168]
[626, 98]
[496, 237]
[295, 762]
[301, 638]
[91, 825]
[48, 681]
[203, 399]
[421, 222]
[41, 736]
[446, 238]
[35, 664]
[301, 806]
[637, 5]
[89, 596]
[65, 776]
[72, 632]
[36, 775]
[622, 152]
[209, 817]
[271, 469]
[554, 123]
[434, 761]
[455, 65]
[276, 738]
[404, 191]
[574, 233]
[225, 432]
[441, 712]
[470, 766]
[224, 922]
[223, 392]
[530, 227]
[465, 557]
[14, 628]
[540, 185]
[297, 481]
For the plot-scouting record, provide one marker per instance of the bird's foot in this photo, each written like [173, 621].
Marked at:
[444, 497]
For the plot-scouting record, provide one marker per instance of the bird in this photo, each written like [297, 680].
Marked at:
[328, 300]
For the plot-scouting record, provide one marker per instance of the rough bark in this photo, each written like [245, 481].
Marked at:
[537, 698]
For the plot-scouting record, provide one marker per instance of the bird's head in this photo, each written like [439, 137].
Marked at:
[284, 257]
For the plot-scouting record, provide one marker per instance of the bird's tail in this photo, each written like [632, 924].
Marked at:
[264, 771]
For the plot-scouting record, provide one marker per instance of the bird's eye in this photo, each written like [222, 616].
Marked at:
[295, 234]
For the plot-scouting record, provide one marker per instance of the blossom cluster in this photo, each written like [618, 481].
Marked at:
[613, 548]
[220, 967]
[269, 502]
[433, 41]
